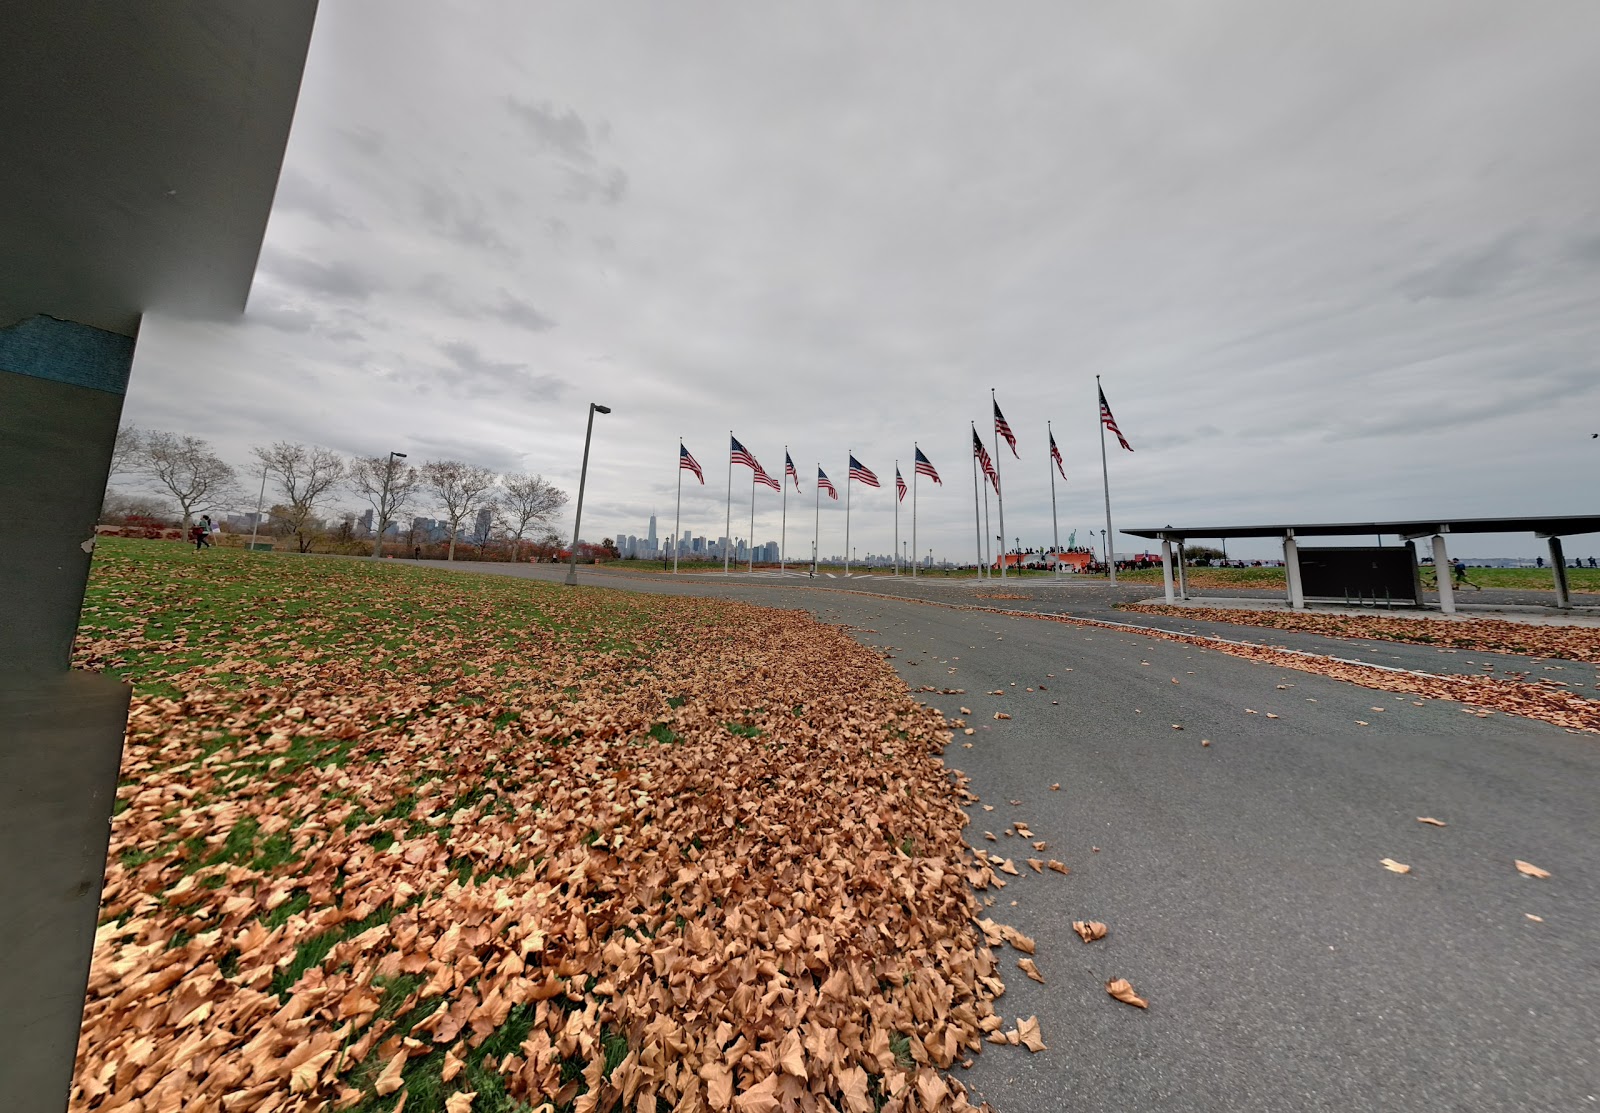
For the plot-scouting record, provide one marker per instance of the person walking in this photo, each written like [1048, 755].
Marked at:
[1459, 566]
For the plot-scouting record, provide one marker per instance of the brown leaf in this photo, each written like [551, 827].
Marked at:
[1428, 819]
[1001, 715]
[389, 1080]
[460, 1101]
[1056, 787]
[719, 1084]
[1530, 869]
[1122, 991]
[760, 1098]
[1028, 1031]
[1059, 867]
[1037, 864]
[1396, 867]
[1027, 966]
[1089, 930]
[1007, 867]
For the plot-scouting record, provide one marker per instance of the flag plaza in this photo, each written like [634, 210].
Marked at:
[922, 467]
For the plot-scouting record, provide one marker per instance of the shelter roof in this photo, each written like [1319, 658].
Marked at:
[1557, 526]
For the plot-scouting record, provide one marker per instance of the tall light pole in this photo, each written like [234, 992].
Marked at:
[583, 476]
[260, 498]
[383, 504]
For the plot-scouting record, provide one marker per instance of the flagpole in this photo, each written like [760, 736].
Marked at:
[847, 471]
[897, 515]
[999, 486]
[751, 543]
[988, 534]
[816, 532]
[1105, 479]
[727, 529]
[1055, 526]
[915, 448]
[783, 529]
[977, 526]
[677, 522]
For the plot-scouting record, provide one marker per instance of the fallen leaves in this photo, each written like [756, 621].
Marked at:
[1028, 1032]
[1530, 869]
[1059, 867]
[623, 828]
[1123, 991]
[1571, 643]
[1001, 715]
[1395, 867]
[1089, 930]
[1027, 966]
[1430, 821]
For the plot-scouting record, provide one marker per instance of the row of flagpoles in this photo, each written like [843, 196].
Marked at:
[860, 473]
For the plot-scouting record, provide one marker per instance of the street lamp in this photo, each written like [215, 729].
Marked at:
[583, 475]
[260, 498]
[383, 504]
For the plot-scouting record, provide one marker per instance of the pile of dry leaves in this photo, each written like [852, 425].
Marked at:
[1484, 635]
[388, 837]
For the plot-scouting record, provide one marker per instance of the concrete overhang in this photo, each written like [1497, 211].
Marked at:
[141, 152]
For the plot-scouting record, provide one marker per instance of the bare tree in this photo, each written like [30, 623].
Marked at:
[189, 470]
[461, 488]
[387, 484]
[304, 475]
[527, 501]
[128, 454]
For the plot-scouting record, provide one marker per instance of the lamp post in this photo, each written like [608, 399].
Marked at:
[383, 504]
[583, 476]
[260, 498]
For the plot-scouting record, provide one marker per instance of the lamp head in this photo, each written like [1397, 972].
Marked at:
[599, 407]
[402, 455]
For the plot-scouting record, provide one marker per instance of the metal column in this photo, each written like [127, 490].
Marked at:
[1166, 568]
[1291, 570]
[1441, 573]
[1558, 569]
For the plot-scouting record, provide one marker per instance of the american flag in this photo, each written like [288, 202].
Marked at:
[766, 480]
[826, 484]
[1055, 454]
[687, 462]
[861, 473]
[925, 467]
[789, 472]
[741, 455]
[983, 460]
[1111, 423]
[899, 484]
[1004, 429]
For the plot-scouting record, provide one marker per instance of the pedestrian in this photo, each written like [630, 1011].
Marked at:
[197, 534]
[1460, 568]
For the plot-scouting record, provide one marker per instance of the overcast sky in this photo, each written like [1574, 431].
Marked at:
[1333, 262]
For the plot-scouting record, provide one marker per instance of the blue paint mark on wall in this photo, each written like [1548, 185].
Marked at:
[67, 352]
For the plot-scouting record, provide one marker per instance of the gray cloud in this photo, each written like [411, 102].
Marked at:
[515, 311]
[334, 279]
[608, 186]
[297, 193]
[1467, 275]
[563, 132]
[471, 374]
[460, 219]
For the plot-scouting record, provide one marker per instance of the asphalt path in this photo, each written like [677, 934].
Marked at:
[1285, 967]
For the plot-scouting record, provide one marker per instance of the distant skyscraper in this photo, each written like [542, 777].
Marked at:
[651, 537]
[483, 524]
